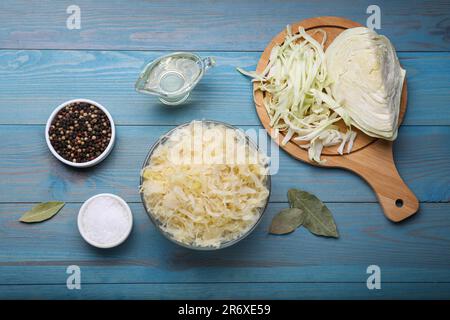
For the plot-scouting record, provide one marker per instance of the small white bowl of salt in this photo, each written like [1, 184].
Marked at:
[105, 220]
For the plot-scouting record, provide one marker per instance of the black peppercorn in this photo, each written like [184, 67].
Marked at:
[67, 128]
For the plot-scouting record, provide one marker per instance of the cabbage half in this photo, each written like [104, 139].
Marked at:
[366, 80]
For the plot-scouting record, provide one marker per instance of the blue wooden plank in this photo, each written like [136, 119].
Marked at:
[206, 25]
[266, 291]
[31, 173]
[416, 250]
[33, 83]
[414, 256]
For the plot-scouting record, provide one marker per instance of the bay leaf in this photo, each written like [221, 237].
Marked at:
[42, 211]
[286, 221]
[318, 218]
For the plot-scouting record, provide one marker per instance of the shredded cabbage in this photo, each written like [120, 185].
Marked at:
[206, 184]
[298, 100]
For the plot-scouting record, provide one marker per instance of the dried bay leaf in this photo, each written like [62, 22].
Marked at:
[286, 221]
[318, 218]
[42, 211]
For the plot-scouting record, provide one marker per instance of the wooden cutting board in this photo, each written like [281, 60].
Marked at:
[371, 158]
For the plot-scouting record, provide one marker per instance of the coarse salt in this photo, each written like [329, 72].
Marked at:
[105, 220]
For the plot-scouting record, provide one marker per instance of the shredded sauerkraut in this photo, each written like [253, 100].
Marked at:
[206, 184]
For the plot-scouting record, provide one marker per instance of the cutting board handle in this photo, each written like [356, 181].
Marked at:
[375, 164]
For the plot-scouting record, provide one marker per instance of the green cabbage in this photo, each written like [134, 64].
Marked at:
[367, 80]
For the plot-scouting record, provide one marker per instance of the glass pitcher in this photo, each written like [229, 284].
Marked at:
[172, 77]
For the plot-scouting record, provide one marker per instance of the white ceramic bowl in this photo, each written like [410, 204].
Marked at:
[97, 160]
[84, 233]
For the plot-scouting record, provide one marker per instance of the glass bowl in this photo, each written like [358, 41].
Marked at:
[157, 223]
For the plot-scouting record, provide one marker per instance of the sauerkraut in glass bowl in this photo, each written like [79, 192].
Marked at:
[205, 185]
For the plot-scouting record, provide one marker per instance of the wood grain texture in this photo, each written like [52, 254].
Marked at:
[33, 83]
[30, 173]
[205, 25]
[33, 259]
[375, 164]
[263, 291]
[415, 251]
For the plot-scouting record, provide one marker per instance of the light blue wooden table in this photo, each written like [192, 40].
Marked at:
[42, 63]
